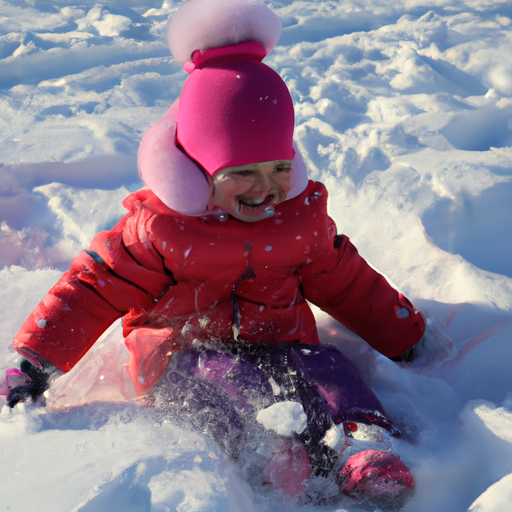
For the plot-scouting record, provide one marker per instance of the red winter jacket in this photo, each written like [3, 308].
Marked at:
[175, 279]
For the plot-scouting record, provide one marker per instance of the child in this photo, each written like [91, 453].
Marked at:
[211, 270]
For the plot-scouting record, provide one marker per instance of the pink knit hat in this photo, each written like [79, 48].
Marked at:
[234, 109]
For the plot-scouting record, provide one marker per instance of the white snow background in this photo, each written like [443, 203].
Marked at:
[403, 110]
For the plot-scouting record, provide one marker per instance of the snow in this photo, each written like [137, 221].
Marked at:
[285, 418]
[403, 110]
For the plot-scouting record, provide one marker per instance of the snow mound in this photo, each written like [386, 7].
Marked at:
[495, 499]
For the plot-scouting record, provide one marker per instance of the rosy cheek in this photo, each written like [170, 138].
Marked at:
[225, 193]
[285, 183]
[234, 190]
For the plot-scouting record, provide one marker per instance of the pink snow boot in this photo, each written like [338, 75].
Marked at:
[377, 479]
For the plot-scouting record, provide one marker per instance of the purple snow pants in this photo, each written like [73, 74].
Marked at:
[221, 392]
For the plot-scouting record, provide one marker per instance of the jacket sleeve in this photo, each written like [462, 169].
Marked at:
[343, 284]
[117, 274]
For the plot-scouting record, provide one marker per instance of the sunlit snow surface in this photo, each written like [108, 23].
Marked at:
[404, 111]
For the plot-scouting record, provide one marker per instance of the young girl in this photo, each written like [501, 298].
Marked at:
[212, 269]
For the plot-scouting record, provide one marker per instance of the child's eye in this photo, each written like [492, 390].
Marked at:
[244, 174]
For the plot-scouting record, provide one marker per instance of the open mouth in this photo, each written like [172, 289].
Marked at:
[255, 205]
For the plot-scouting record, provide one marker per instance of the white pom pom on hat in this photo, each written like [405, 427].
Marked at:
[205, 24]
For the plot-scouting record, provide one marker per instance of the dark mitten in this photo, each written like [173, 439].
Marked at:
[38, 382]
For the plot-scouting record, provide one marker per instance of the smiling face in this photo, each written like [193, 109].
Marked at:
[249, 192]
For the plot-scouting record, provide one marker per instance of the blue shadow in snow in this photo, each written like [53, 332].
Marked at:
[478, 228]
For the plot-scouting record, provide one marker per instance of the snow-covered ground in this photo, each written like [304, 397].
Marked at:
[404, 110]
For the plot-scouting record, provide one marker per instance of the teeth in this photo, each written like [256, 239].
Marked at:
[254, 202]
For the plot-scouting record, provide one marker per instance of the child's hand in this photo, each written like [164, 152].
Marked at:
[33, 382]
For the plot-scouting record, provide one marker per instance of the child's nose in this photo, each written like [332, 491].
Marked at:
[263, 184]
